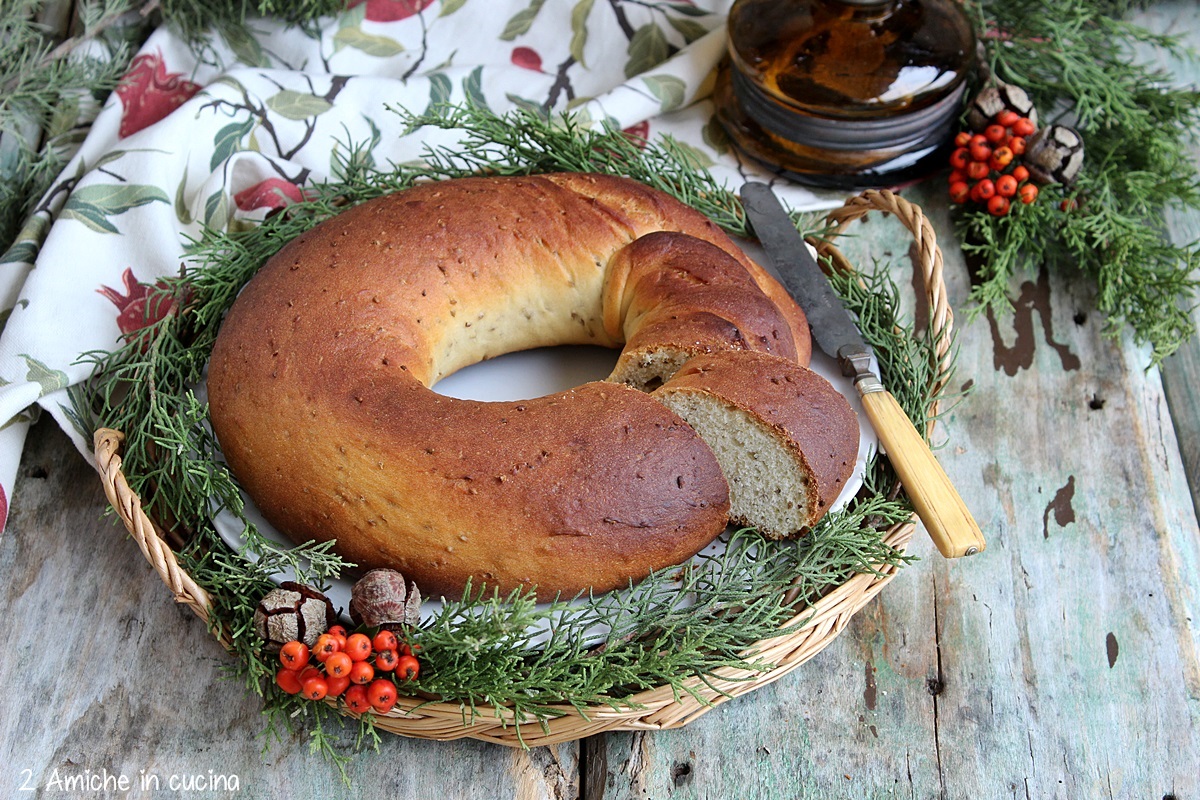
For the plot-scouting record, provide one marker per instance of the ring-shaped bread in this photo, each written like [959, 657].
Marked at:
[319, 381]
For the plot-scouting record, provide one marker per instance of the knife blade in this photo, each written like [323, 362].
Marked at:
[834, 331]
[940, 507]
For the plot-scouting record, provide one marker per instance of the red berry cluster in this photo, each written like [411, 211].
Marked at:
[986, 168]
[346, 666]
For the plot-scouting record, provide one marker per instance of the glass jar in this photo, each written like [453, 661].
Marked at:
[845, 93]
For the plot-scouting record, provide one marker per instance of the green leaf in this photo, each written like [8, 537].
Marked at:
[369, 43]
[298, 105]
[228, 141]
[669, 90]
[450, 6]
[35, 228]
[227, 81]
[28, 242]
[216, 210]
[237, 225]
[51, 380]
[182, 212]
[473, 88]
[522, 21]
[117, 198]
[690, 29]
[90, 216]
[376, 138]
[246, 47]
[647, 49]
[579, 32]
[440, 90]
[93, 205]
[113, 155]
[31, 415]
[21, 253]
[687, 10]
[447, 63]
[714, 135]
[532, 106]
[353, 17]
[693, 156]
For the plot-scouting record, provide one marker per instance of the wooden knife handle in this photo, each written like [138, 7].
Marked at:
[938, 504]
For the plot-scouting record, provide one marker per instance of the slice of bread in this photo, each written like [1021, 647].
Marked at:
[785, 438]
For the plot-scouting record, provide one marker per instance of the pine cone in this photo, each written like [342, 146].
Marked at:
[293, 612]
[1054, 155]
[1001, 97]
[383, 598]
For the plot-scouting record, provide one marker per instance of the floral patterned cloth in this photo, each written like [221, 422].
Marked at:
[230, 132]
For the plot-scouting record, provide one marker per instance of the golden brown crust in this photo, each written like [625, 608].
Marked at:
[318, 391]
[643, 210]
[670, 290]
[590, 488]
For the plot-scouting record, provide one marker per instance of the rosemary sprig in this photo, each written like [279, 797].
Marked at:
[1078, 62]
[523, 142]
[678, 625]
[672, 627]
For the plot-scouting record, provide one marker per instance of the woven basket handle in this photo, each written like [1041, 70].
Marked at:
[940, 507]
[129, 508]
[929, 261]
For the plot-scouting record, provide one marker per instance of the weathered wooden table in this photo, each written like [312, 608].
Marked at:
[1062, 663]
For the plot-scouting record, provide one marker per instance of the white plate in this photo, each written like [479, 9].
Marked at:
[525, 375]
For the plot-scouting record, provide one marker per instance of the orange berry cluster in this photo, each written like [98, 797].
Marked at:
[986, 168]
[352, 667]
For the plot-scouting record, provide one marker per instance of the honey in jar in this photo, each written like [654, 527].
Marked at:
[845, 93]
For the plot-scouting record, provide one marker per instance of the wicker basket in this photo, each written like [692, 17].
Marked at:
[655, 709]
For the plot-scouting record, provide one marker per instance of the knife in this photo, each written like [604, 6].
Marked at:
[937, 503]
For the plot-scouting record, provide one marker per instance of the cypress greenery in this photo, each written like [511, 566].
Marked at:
[486, 649]
[1079, 63]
